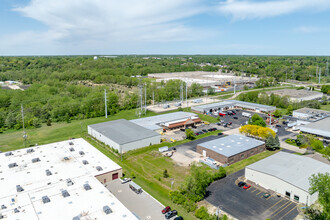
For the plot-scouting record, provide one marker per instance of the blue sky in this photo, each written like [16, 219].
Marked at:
[74, 27]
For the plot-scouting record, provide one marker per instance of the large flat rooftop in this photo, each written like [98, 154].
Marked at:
[320, 128]
[155, 122]
[123, 131]
[65, 160]
[232, 144]
[294, 93]
[291, 168]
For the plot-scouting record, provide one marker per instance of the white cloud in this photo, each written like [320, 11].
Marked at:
[247, 9]
[311, 29]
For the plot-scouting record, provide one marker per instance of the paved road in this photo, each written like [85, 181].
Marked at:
[248, 204]
[142, 205]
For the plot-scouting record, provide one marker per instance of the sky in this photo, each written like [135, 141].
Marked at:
[96, 27]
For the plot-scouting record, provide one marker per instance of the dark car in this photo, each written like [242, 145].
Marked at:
[193, 126]
[204, 130]
[170, 214]
[166, 209]
[225, 125]
[278, 126]
[220, 133]
[212, 129]
[178, 218]
[218, 123]
[266, 195]
[182, 129]
[229, 123]
[235, 117]
[240, 184]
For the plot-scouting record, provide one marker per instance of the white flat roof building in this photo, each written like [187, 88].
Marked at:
[287, 174]
[53, 179]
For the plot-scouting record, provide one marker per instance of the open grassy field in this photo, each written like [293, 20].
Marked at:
[326, 107]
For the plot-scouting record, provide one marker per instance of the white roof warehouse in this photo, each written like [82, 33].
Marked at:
[59, 181]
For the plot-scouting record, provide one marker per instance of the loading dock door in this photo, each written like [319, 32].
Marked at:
[114, 176]
[204, 153]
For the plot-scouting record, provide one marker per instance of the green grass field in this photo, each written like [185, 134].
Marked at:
[326, 107]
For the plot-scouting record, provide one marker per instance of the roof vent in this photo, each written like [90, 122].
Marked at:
[85, 162]
[1, 216]
[71, 149]
[48, 173]
[29, 150]
[16, 210]
[65, 193]
[99, 168]
[220, 148]
[81, 153]
[107, 209]
[69, 182]
[8, 154]
[11, 165]
[3, 207]
[71, 143]
[45, 199]
[19, 188]
[87, 187]
[228, 146]
[214, 146]
[66, 158]
[35, 160]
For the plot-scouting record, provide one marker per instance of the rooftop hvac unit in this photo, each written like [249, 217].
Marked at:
[35, 160]
[81, 152]
[29, 150]
[8, 154]
[65, 193]
[71, 143]
[11, 165]
[87, 187]
[71, 149]
[66, 158]
[85, 162]
[16, 210]
[98, 168]
[45, 199]
[1, 216]
[107, 210]
[19, 188]
[3, 207]
[48, 173]
[69, 182]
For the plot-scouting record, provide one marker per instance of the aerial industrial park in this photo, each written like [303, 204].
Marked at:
[174, 110]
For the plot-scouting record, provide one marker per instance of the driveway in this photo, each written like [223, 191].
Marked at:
[248, 204]
[142, 205]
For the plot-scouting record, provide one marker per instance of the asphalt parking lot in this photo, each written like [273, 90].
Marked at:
[248, 204]
[142, 205]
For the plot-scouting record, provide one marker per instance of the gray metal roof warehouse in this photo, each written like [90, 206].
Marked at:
[123, 131]
[154, 122]
[232, 145]
[236, 103]
[320, 128]
[291, 168]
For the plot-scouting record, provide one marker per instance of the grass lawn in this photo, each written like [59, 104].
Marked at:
[326, 107]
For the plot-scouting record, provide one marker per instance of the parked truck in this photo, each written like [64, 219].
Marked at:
[245, 114]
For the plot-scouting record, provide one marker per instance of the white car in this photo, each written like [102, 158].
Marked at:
[125, 180]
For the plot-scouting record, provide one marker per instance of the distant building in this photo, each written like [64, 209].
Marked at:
[320, 128]
[298, 95]
[287, 174]
[63, 180]
[95, 57]
[123, 135]
[231, 149]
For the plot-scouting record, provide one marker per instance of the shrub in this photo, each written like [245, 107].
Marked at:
[165, 174]
[220, 174]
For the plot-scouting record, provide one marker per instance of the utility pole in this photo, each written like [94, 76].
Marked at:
[234, 85]
[187, 95]
[317, 68]
[145, 97]
[24, 132]
[320, 71]
[153, 97]
[105, 103]
[326, 69]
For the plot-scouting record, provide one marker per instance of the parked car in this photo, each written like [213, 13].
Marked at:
[235, 117]
[204, 130]
[278, 126]
[182, 129]
[246, 186]
[194, 126]
[230, 123]
[125, 180]
[199, 133]
[225, 125]
[212, 129]
[206, 122]
[166, 209]
[178, 218]
[218, 123]
[240, 184]
[266, 195]
[170, 214]
[220, 133]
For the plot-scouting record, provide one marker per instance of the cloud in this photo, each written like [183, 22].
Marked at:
[311, 29]
[240, 9]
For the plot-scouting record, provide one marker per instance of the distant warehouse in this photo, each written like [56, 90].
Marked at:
[231, 104]
[287, 174]
[123, 135]
[320, 128]
[231, 149]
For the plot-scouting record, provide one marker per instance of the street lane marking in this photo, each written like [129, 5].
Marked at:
[288, 212]
[280, 207]
[283, 209]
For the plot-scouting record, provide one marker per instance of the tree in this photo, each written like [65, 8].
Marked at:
[245, 87]
[320, 183]
[277, 113]
[289, 110]
[49, 122]
[190, 134]
[165, 174]
[272, 143]
[257, 120]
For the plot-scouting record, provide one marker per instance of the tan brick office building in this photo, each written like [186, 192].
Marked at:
[230, 149]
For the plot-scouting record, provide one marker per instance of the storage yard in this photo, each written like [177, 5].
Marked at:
[298, 95]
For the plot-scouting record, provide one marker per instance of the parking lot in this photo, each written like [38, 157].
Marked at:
[142, 205]
[248, 204]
